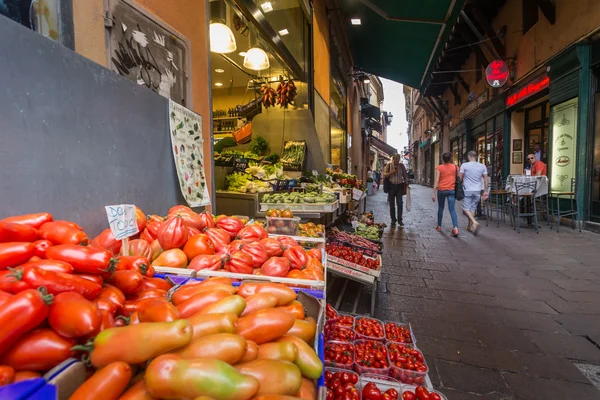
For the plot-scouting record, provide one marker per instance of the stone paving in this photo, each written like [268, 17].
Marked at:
[498, 316]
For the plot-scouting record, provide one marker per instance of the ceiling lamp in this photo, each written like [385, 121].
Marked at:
[221, 37]
[256, 59]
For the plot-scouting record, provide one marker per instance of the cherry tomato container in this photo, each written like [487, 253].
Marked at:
[359, 365]
[283, 226]
[373, 336]
[339, 333]
[412, 388]
[383, 383]
[331, 374]
[409, 337]
[407, 375]
[333, 346]
[346, 320]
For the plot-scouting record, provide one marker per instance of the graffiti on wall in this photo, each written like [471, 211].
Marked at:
[146, 52]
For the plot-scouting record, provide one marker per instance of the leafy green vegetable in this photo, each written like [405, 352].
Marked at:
[259, 146]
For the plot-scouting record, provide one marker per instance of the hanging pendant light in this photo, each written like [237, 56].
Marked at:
[256, 59]
[221, 37]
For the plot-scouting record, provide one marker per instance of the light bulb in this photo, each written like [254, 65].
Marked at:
[256, 59]
[221, 39]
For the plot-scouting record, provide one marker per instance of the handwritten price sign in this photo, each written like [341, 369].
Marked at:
[121, 219]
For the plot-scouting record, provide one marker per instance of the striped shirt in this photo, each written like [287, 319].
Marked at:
[400, 176]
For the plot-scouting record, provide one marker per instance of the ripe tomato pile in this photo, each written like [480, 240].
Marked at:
[397, 333]
[330, 312]
[339, 354]
[409, 364]
[341, 385]
[420, 393]
[345, 253]
[339, 333]
[368, 328]
[371, 354]
[345, 320]
[372, 392]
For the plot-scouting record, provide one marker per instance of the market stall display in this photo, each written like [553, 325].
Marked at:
[104, 304]
[383, 356]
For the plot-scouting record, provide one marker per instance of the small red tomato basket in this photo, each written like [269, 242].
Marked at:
[339, 354]
[407, 364]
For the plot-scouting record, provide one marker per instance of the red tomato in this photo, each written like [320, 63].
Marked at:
[13, 254]
[297, 257]
[110, 298]
[59, 282]
[422, 393]
[197, 245]
[151, 230]
[140, 248]
[206, 221]
[240, 263]
[236, 245]
[50, 265]
[38, 350]
[371, 392]
[172, 233]
[13, 232]
[218, 237]
[106, 240]
[157, 310]
[231, 225]
[257, 251]
[393, 393]
[9, 282]
[129, 281]
[252, 232]
[287, 242]
[314, 253]
[41, 246]
[273, 246]
[434, 396]
[72, 315]
[276, 266]
[192, 232]
[155, 283]
[32, 220]
[140, 219]
[4, 297]
[135, 263]
[21, 313]
[7, 375]
[205, 261]
[84, 260]
[407, 395]
[61, 232]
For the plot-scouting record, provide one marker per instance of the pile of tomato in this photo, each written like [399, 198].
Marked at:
[341, 385]
[368, 328]
[420, 393]
[397, 333]
[371, 355]
[408, 364]
[339, 333]
[338, 354]
[346, 253]
[63, 295]
[330, 312]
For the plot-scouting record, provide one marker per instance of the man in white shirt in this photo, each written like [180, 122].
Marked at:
[472, 173]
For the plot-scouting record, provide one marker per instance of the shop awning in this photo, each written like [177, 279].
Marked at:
[400, 40]
[382, 146]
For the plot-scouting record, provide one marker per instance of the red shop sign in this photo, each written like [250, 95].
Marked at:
[496, 73]
[527, 91]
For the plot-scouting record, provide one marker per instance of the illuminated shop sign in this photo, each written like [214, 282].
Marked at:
[527, 91]
[496, 73]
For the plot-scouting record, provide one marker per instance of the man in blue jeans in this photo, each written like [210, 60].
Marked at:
[472, 173]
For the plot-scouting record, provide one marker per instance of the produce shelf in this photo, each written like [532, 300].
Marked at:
[309, 207]
[348, 264]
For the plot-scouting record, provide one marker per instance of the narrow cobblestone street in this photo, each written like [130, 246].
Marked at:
[498, 316]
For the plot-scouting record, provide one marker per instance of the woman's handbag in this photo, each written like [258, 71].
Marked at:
[459, 191]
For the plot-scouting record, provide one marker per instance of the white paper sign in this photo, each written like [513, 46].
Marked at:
[357, 194]
[122, 221]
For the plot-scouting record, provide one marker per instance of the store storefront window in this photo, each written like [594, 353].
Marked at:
[498, 148]
[454, 150]
[536, 135]
[337, 144]
[41, 16]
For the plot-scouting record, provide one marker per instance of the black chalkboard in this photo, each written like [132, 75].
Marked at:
[76, 136]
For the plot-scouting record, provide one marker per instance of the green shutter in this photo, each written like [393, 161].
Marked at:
[564, 88]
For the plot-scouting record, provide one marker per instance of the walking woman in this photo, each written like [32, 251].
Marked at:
[445, 181]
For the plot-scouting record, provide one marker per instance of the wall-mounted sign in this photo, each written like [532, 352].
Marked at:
[435, 138]
[564, 145]
[496, 73]
[527, 91]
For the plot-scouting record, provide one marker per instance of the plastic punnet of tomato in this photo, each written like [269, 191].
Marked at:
[371, 357]
[339, 333]
[407, 364]
[369, 329]
[345, 320]
[412, 392]
[341, 382]
[377, 387]
[339, 354]
[398, 332]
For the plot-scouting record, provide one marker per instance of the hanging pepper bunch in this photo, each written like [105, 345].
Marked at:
[268, 96]
[286, 92]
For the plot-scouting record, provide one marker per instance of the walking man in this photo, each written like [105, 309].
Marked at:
[471, 174]
[396, 172]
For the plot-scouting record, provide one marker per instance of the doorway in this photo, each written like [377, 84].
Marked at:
[536, 131]
[595, 170]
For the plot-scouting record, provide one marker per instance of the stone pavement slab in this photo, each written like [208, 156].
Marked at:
[498, 316]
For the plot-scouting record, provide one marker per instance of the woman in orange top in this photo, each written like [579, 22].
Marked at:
[445, 183]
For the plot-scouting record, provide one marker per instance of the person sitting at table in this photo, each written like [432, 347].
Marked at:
[538, 168]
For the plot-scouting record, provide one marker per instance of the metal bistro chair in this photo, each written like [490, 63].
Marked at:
[498, 202]
[525, 191]
[554, 198]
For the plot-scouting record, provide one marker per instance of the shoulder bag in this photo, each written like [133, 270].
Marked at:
[459, 191]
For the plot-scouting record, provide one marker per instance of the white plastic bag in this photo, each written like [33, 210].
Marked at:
[407, 198]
